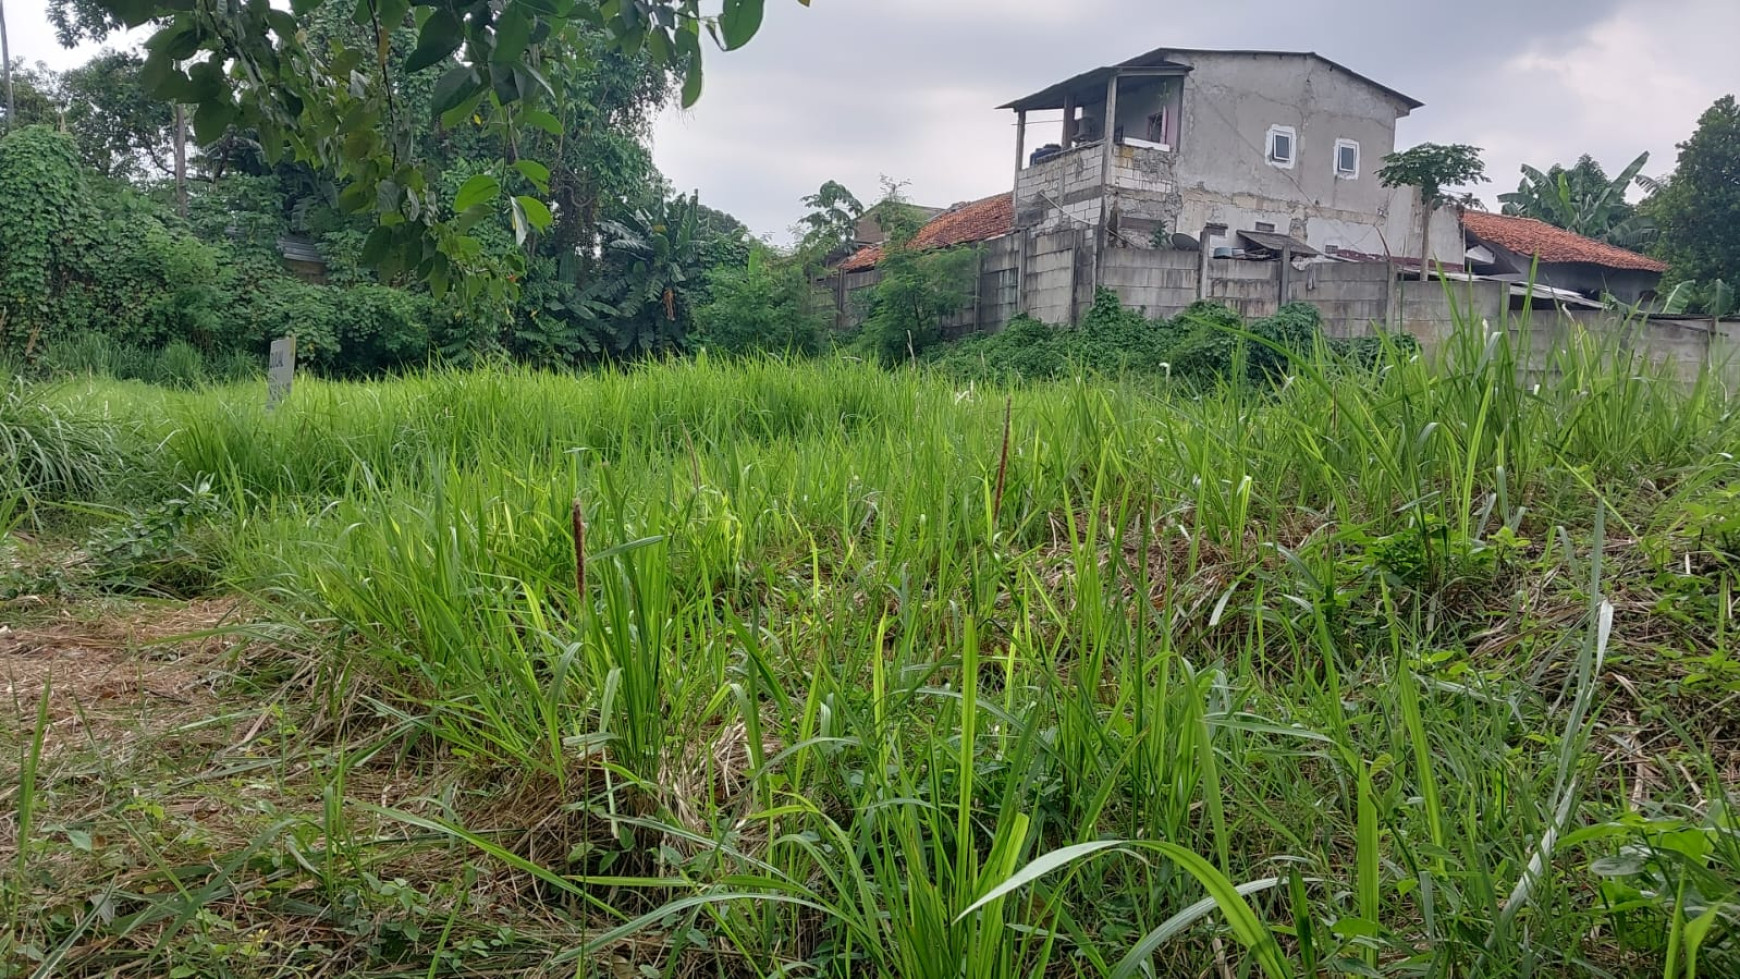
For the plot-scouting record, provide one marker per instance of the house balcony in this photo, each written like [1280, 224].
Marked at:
[1071, 183]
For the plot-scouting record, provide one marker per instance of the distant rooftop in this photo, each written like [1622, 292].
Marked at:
[1159, 62]
[981, 220]
[1538, 239]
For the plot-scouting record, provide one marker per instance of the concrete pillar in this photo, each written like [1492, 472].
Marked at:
[1109, 149]
[1206, 247]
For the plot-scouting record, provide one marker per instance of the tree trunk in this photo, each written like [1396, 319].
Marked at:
[6, 68]
[180, 159]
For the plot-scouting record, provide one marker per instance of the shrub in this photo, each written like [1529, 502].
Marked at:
[167, 548]
[1110, 340]
[79, 254]
[179, 365]
[366, 329]
[1205, 343]
[764, 306]
[42, 195]
[49, 452]
[380, 328]
[918, 291]
[1025, 349]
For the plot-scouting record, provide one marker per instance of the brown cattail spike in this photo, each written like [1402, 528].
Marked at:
[580, 551]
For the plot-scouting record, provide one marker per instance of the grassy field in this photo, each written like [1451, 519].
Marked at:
[787, 670]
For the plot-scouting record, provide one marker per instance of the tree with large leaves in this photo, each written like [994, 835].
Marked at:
[121, 130]
[1434, 170]
[830, 226]
[1698, 209]
[250, 66]
[1584, 200]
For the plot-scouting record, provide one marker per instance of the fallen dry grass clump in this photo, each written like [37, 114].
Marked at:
[1389, 668]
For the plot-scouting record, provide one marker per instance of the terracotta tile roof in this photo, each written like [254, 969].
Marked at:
[1532, 238]
[981, 220]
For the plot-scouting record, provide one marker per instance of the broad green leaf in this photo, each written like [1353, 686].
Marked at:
[1174, 926]
[689, 52]
[480, 189]
[1245, 924]
[282, 23]
[534, 171]
[1619, 865]
[441, 36]
[536, 211]
[456, 85]
[1680, 298]
[211, 119]
[692, 83]
[1697, 931]
[1722, 299]
[543, 120]
[739, 22]
[376, 246]
[513, 31]
[393, 13]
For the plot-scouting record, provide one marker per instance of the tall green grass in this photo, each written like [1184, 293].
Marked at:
[866, 673]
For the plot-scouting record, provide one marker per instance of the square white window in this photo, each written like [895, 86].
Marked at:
[1283, 146]
[1266, 226]
[1346, 159]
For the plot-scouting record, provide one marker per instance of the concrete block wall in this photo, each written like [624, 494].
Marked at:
[1253, 289]
[1051, 276]
[1430, 316]
[1350, 297]
[1159, 283]
[1685, 345]
[1062, 192]
[1053, 267]
[1142, 169]
[995, 293]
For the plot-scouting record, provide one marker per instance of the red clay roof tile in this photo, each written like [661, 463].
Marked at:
[1532, 238]
[981, 220]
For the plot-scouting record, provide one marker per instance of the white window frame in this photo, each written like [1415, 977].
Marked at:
[1346, 144]
[1292, 159]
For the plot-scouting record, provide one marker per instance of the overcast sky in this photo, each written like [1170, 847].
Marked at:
[852, 90]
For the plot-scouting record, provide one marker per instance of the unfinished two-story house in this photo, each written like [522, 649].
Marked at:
[1248, 177]
[1257, 147]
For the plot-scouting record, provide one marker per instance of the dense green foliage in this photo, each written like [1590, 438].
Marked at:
[101, 248]
[1584, 200]
[847, 672]
[1205, 344]
[920, 289]
[1435, 170]
[766, 306]
[830, 222]
[354, 102]
[1698, 211]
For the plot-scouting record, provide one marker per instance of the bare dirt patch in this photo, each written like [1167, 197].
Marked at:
[115, 663]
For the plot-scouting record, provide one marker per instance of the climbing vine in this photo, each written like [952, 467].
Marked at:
[41, 196]
[79, 254]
